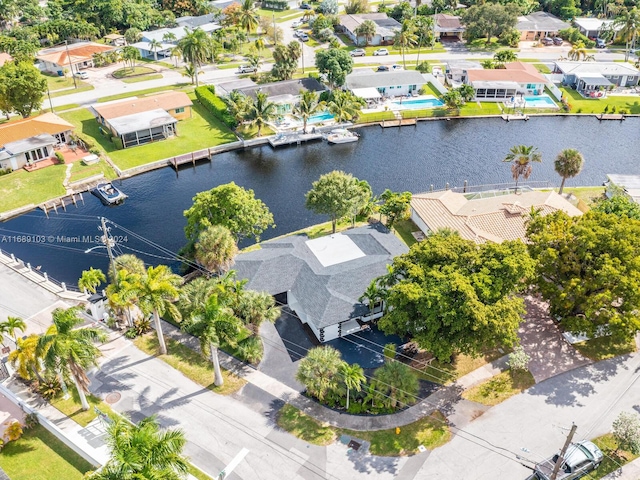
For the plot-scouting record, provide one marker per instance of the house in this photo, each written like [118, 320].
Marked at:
[195, 22]
[4, 58]
[73, 57]
[538, 25]
[497, 85]
[456, 71]
[136, 121]
[285, 94]
[322, 279]
[447, 27]
[386, 28]
[629, 185]
[31, 140]
[159, 43]
[591, 27]
[394, 83]
[484, 218]
[115, 39]
[587, 77]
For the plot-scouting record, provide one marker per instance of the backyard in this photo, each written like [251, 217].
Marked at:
[579, 104]
[21, 188]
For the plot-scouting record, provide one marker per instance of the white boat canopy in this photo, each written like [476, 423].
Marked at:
[366, 93]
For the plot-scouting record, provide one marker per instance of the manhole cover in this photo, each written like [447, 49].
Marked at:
[112, 398]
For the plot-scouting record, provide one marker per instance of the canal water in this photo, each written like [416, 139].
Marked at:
[407, 158]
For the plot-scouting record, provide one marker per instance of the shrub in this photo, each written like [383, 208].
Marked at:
[95, 151]
[510, 38]
[209, 100]
[519, 360]
[14, 431]
[5, 171]
[250, 350]
[573, 35]
[49, 388]
[626, 431]
[279, 5]
[140, 327]
[31, 420]
[60, 157]
[423, 67]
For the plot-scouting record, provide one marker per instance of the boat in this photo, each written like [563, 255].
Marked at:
[342, 135]
[108, 194]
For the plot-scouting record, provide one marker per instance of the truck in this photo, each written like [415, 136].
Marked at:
[580, 459]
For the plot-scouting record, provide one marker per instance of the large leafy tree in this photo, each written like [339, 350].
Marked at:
[320, 370]
[568, 164]
[588, 269]
[22, 87]
[337, 194]
[70, 350]
[260, 111]
[336, 64]
[395, 206]
[91, 279]
[285, 60]
[344, 105]
[307, 107]
[143, 451]
[629, 24]
[504, 56]
[394, 385]
[232, 206]
[619, 205]
[489, 19]
[521, 157]
[216, 248]
[451, 295]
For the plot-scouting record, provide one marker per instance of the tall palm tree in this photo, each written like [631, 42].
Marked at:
[155, 45]
[578, 51]
[156, 291]
[256, 307]
[629, 23]
[11, 325]
[353, 377]
[128, 262]
[319, 371]
[521, 158]
[216, 248]
[195, 294]
[405, 38]
[237, 105]
[568, 164]
[216, 323]
[306, 107]
[344, 106]
[366, 29]
[130, 55]
[91, 279]
[176, 53]
[143, 451]
[261, 111]
[196, 49]
[192, 72]
[70, 350]
[248, 19]
[24, 358]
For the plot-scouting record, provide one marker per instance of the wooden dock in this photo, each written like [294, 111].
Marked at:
[508, 117]
[293, 138]
[610, 116]
[399, 122]
[191, 158]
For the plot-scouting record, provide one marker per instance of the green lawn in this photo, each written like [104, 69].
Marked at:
[304, 427]
[132, 72]
[613, 458]
[72, 408]
[21, 188]
[82, 87]
[481, 45]
[403, 229]
[142, 78]
[281, 15]
[200, 131]
[56, 82]
[199, 474]
[185, 87]
[604, 347]
[542, 68]
[445, 373]
[192, 364]
[38, 455]
[376, 117]
[80, 171]
[483, 108]
[500, 387]
[580, 104]
[586, 195]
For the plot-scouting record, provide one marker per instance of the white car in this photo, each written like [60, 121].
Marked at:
[297, 33]
[81, 75]
[381, 51]
[296, 24]
[358, 52]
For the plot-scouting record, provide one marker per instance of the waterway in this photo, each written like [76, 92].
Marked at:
[407, 158]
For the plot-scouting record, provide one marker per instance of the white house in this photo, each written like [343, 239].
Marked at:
[500, 84]
[73, 57]
[587, 77]
[386, 28]
[159, 43]
[395, 83]
[538, 25]
[592, 27]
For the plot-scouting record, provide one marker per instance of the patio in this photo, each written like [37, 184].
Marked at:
[70, 153]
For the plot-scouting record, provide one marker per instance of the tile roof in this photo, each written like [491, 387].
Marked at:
[518, 72]
[494, 219]
[448, 23]
[30, 127]
[130, 106]
[78, 52]
[326, 295]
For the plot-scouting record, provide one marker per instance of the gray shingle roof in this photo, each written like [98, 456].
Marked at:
[384, 79]
[328, 295]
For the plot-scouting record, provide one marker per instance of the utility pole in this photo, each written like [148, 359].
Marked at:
[66, 45]
[275, 32]
[560, 460]
[49, 95]
[302, 52]
[107, 242]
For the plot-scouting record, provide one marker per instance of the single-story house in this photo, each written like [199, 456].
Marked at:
[484, 218]
[517, 78]
[32, 139]
[456, 71]
[4, 58]
[322, 279]
[588, 77]
[115, 39]
[394, 83]
[76, 56]
[136, 121]
[168, 38]
[627, 184]
[195, 22]
[285, 94]
[591, 27]
[538, 25]
[155, 51]
[447, 27]
[386, 28]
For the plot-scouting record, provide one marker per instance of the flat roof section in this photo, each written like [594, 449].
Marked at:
[334, 249]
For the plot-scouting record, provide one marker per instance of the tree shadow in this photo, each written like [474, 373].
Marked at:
[364, 462]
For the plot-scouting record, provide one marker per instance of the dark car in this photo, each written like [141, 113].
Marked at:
[383, 68]
[547, 41]
[305, 6]
[557, 41]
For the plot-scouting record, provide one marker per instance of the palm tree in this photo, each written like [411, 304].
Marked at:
[366, 29]
[319, 371]
[196, 48]
[192, 72]
[395, 384]
[91, 279]
[521, 158]
[216, 248]
[453, 99]
[11, 325]
[344, 106]
[237, 105]
[176, 53]
[195, 294]
[248, 19]
[129, 55]
[70, 350]
[353, 377]
[306, 107]
[155, 45]
[424, 32]
[261, 111]
[372, 294]
[578, 51]
[216, 323]
[504, 56]
[629, 23]
[156, 291]
[24, 358]
[143, 451]
[568, 164]
[256, 307]
[466, 92]
[169, 37]
[405, 38]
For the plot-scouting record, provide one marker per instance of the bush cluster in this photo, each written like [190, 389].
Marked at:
[573, 35]
[208, 99]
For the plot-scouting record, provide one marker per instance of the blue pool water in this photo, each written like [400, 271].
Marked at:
[365, 347]
[540, 101]
[420, 103]
[320, 117]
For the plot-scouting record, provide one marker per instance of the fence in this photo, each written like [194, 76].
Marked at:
[493, 187]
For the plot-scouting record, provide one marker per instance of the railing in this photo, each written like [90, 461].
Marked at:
[501, 187]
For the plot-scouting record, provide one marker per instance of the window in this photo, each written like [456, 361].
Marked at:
[391, 87]
[180, 110]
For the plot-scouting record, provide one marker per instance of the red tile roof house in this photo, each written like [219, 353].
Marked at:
[76, 56]
[500, 84]
[32, 140]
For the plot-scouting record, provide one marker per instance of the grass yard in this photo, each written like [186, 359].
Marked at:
[480, 108]
[80, 171]
[613, 458]
[604, 347]
[499, 388]
[281, 15]
[375, 117]
[580, 104]
[431, 431]
[199, 474]
[132, 72]
[446, 373]
[72, 408]
[587, 195]
[481, 45]
[251, 131]
[57, 82]
[21, 188]
[191, 364]
[541, 67]
[39, 455]
[403, 229]
[142, 78]
[82, 87]
[185, 87]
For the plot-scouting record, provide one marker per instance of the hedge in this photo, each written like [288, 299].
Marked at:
[207, 97]
[275, 5]
[573, 35]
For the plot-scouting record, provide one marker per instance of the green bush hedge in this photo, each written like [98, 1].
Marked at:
[275, 5]
[207, 97]
[573, 35]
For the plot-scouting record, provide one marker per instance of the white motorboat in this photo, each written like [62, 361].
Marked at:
[342, 135]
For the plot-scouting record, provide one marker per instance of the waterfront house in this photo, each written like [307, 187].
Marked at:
[136, 121]
[322, 279]
[168, 38]
[500, 84]
[31, 140]
[588, 77]
[628, 185]
[447, 27]
[591, 27]
[456, 71]
[539, 25]
[285, 94]
[484, 218]
[394, 83]
[73, 57]
[386, 28]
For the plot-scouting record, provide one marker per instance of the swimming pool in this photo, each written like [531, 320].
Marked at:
[320, 117]
[539, 101]
[419, 103]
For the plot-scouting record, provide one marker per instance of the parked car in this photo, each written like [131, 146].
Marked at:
[247, 69]
[547, 41]
[304, 37]
[557, 41]
[297, 33]
[580, 459]
[381, 51]
[358, 52]
[305, 6]
[383, 68]
[296, 24]
[81, 75]
[600, 43]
